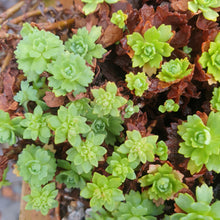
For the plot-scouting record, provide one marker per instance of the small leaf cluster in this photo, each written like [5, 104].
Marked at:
[169, 106]
[130, 109]
[103, 191]
[139, 82]
[9, 128]
[199, 209]
[211, 59]
[174, 70]
[162, 150]
[42, 199]
[36, 165]
[215, 101]
[151, 48]
[83, 44]
[91, 5]
[118, 18]
[201, 142]
[206, 7]
[162, 181]
[4, 182]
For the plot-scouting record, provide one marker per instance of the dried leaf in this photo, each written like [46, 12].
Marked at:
[53, 101]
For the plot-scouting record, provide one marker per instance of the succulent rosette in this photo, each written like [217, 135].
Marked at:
[118, 18]
[139, 82]
[174, 70]
[201, 142]
[9, 128]
[36, 50]
[83, 44]
[162, 181]
[151, 48]
[211, 59]
[69, 74]
[42, 199]
[215, 101]
[36, 165]
[206, 7]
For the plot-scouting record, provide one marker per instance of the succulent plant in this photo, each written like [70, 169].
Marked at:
[162, 150]
[36, 50]
[42, 199]
[169, 106]
[151, 48]
[9, 128]
[174, 69]
[130, 109]
[118, 18]
[201, 142]
[206, 7]
[211, 59]
[36, 165]
[162, 181]
[69, 74]
[103, 191]
[139, 82]
[139, 148]
[107, 102]
[215, 101]
[83, 44]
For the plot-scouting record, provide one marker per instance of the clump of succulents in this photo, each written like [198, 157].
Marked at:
[201, 142]
[199, 209]
[139, 82]
[42, 199]
[206, 7]
[174, 70]
[211, 59]
[103, 191]
[107, 102]
[9, 128]
[36, 165]
[37, 49]
[162, 182]
[151, 48]
[69, 74]
[139, 148]
[118, 18]
[83, 44]
[215, 101]
[169, 106]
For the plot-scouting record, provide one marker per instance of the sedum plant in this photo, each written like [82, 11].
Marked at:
[103, 191]
[87, 154]
[151, 48]
[70, 176]
[36, 51]
[174, 70]
[130, 109]
[83, 44]
[118, 18]
[139, 148]
[162, 150]
[68, 125]
[201, 142]
[137, 206]
[215, 101]
[169, 106]
[206, 7]
[42, 199]
[119, 166]
[107, 102]
[211, 59]
[91, 5]
[162, 182]
[35, 125]
[4, 182]
[69, 74]
[36, 165]
[199, 209]
[9, 128]
[139, 82]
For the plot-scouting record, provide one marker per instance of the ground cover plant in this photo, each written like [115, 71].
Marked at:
[116, 101]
